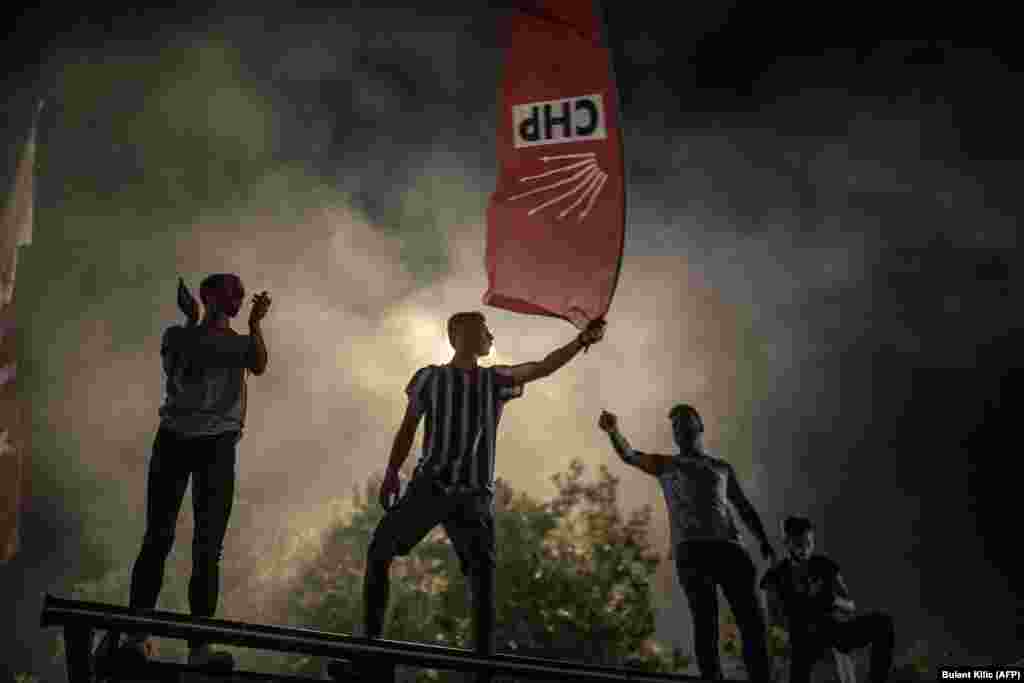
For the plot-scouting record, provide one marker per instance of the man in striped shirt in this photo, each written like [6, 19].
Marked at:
[698, 489]
[453, 483]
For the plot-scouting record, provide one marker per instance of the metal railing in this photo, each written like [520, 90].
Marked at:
[82, 619]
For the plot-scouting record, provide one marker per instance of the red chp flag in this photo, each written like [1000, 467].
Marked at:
[15, 232]
[556, 220]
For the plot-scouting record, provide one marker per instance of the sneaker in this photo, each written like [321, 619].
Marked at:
[133, 652]
[212, 660]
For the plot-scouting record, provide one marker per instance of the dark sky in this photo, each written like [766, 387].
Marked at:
[821, 251]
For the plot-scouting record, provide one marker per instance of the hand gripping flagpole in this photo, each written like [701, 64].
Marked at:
[597, 322]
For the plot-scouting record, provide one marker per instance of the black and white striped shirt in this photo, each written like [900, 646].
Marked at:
[462, 409]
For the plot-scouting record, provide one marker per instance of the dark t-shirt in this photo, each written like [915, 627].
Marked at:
[807, 594]
[205, 385]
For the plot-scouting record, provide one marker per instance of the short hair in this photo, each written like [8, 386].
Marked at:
[215, 283]
[459, 319]
[796, 525]
[686, 409]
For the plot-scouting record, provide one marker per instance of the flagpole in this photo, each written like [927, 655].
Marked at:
[601, 12]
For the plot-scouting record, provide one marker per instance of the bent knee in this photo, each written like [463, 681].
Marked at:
[208, 554]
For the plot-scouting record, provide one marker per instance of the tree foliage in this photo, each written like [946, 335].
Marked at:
[573, 578]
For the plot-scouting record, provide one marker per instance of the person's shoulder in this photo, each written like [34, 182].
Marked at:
[716, 462]
[173, 334]
[421, 374]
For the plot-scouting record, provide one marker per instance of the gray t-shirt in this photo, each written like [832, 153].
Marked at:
[696, 493]
[205, 390]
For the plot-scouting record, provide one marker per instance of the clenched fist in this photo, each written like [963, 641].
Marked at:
[608, 421]
[260, 306]
[593, 333]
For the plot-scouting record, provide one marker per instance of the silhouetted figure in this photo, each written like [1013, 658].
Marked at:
[705, 538]
[453, 483]
[807, 593]
[201, 422]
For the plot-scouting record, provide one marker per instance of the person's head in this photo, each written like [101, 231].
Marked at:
[468, 333]
[222, 294]
[687, 427]
[798, 535]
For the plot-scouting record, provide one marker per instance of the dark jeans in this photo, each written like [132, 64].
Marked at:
[874, 629]
[468, 519]
[704, 565]
[210, 462]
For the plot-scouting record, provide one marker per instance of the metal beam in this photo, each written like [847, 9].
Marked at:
[80, 614]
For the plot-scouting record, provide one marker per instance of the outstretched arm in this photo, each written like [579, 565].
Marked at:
[648, 462]
[528, 372]
[747, 512]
